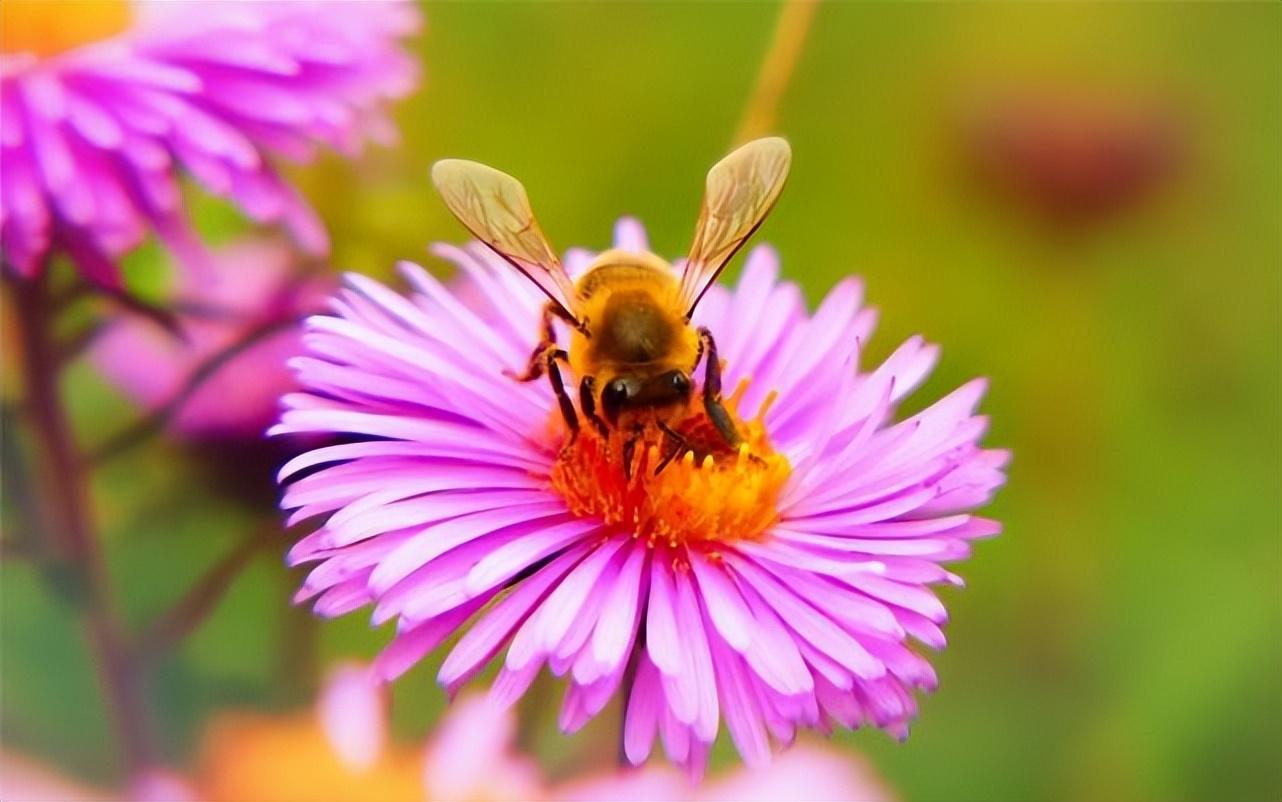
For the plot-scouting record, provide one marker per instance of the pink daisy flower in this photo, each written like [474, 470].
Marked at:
[102, 104]
[778, 588]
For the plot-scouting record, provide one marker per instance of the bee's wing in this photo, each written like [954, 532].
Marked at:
[494, 207]
[740, 192]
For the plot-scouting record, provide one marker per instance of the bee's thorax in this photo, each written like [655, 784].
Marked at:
[635, 320]
[634, 329]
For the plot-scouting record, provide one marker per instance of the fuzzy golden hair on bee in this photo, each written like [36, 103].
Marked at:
[632, 346]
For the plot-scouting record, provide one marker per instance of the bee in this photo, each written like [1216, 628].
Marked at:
[632, 343]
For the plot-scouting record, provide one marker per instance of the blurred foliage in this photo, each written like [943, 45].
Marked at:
[1121, 639]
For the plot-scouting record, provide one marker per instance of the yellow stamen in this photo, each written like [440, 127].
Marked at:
[712, 493]
[48, 27]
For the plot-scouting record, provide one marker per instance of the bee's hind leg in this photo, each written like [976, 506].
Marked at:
[543, 360]
[712, 390]
[538, 357]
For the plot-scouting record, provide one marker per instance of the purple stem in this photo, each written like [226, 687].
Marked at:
[65, 524]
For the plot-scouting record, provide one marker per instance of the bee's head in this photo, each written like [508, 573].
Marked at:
[634, 392]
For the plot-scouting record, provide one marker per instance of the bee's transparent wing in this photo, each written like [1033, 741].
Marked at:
[740, 192]
[494, 207]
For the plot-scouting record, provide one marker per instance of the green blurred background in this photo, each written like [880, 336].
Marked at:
[1123, 638]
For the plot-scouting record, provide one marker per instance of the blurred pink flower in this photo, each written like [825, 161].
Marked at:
[23, 779]
[99, 111]
[803, 773]
[254, 287]
[469, 755]
[776, 588]
[341, 750]
[28, 780]
[1072, 157]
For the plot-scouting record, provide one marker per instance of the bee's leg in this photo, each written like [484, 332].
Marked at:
[629, 451]
[712, 390]
[538, 361]
[549, 360]
[680, 446]
[587, 402]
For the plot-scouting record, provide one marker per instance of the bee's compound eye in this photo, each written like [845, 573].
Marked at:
[617, 391]
[679, 382]
[614, 396]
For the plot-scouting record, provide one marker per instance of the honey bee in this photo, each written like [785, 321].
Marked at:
[632, 344]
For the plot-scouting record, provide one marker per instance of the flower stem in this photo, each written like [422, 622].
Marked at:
[64, 526]
[189, 612]
[776, 70]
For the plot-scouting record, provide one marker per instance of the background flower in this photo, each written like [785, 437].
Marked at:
[103, 102]
[1072, 157]
[806, 771]
[256, 292]
[342, 750]
[458, 490]
[337, 751]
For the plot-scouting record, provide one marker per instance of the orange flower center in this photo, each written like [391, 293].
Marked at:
[706, 492]
[49, 27]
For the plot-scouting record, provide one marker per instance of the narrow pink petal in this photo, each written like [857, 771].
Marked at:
[641, 721]
[773, 653]
[617, 627]
[629, 235]
[543, 631]
[812, 625]
[726, 607]
[743, 716]
[410, 646]
[699, 660]
[918, 599]
[509, 685]
[436, 539]
[567, 602]
[572, 649]
[483, 640]
[663, 637]
[675, 736]
[352, 714]
[510, 559]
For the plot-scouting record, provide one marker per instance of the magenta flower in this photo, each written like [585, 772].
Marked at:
[100, 113]
[251, 299]
[775, 588]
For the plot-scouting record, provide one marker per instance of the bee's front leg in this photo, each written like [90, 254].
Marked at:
[630, 449]
[680, 445]
[712, 390]
[551, 356]
[587, 402]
